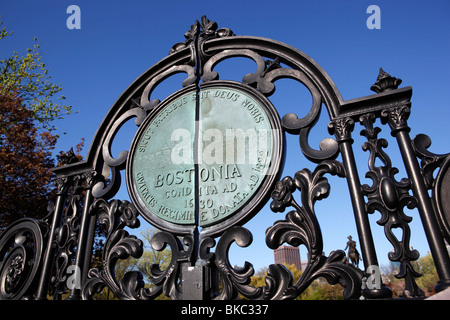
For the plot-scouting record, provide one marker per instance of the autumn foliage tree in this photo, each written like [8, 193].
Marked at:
[29, 103]
[25, 163]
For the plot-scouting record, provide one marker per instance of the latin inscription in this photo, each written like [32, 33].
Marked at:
[233, 152]
[161, 185]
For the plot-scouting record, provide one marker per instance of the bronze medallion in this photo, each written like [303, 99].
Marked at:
[203, 158]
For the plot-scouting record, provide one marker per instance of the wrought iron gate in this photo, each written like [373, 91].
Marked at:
[37, 254]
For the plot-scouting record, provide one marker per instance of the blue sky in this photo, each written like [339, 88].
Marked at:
[119, 40]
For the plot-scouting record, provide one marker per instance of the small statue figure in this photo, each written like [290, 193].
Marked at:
[353, 254]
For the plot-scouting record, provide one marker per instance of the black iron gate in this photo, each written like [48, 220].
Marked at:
[38, 256]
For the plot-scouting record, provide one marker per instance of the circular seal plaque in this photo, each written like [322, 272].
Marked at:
[206, 158]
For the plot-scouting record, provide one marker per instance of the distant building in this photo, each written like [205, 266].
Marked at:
[288, 255]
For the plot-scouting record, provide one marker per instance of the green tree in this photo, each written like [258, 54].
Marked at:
[429, 277]
[425, 266]
[27, 77]
[149, 258]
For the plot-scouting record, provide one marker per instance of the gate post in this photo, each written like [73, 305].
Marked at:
[62, 186]
[397, 119]
[342, 129]
[84, 241]
[195, 282]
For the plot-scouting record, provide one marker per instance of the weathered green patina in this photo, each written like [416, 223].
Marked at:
[201, 156]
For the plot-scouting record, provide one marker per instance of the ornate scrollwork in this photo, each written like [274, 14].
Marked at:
[166, 281]
[264, 78]
[21, 251]
[115, 165]
[389, 197]
[209, 75]
[328, 147]
[430, 161]
[66, 237]
[439, 184]
[114, 216]
[236, 280]
[301, 227]
[205, 30]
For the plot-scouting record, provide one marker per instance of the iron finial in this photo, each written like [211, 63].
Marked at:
[385, 82]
